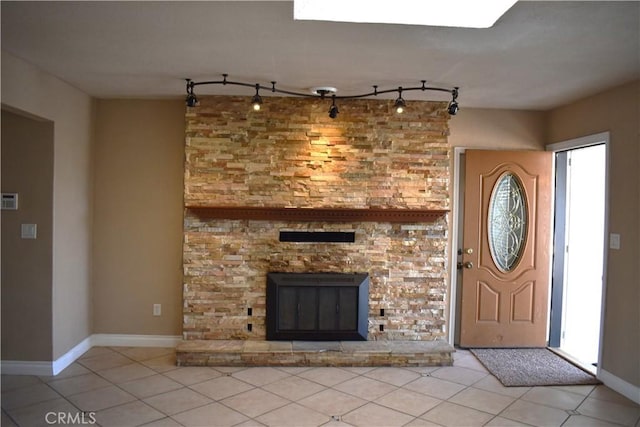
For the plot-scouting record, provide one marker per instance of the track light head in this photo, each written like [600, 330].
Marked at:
[192, 100]
[333, 111]
[453, 108]
[453, 105]
[400, 103]
[256, 101]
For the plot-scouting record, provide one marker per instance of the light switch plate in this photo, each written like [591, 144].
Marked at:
[29, 231]
[614, 241]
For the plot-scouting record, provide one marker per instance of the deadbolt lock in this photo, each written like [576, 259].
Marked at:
[468, 251]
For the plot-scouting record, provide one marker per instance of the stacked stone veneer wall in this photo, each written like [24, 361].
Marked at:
[291, 154]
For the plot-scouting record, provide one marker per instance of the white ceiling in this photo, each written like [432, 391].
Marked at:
[539, 55]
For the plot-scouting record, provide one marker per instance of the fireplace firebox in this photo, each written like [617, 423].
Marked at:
[317, 306]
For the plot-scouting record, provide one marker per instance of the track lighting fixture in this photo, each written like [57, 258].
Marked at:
[453, 105]
[322, 92]
[333, 111]
[192, 100]
[400, 104]
[256, 101]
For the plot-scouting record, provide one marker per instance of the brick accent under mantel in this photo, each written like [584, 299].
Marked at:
[291, 155]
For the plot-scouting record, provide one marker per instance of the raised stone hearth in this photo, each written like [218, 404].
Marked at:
[316, 353]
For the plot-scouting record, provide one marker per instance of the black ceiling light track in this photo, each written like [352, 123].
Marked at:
[323, 93]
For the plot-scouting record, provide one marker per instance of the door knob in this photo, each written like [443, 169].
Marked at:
[468, 264]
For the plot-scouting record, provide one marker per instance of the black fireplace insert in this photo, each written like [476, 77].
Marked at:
[317, 306]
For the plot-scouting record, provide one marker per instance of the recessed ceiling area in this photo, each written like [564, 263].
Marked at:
[537, 56]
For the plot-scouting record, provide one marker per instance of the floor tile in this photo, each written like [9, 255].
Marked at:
[28, 395]
[459, 375]
[12, 382]
[131, 414]
[504, 422]
[205, 415]
[534, 414]
[435, 387]
[332, 402]
[365, 388]
[145, 353]
[482, 400]
[36, 415]
[553, 397]
[584, 421]
[375, 415]
[409, 402]
[583, 390]
[490, 383]
[164, 422]
[293, 415]
[609, 411]
[294, 388]
[192, 374]
[358, 370]
[79, 384]
[176, 401]
[105, 361]
[393, 376]
[222, 387]
[126, 373]
[605, 393]
[73, 370]
[470, 362]
[101, 398]
[260, 376]
[450, 414]
[96, 351]
[255, 402]
[419, 422]
[161, 364]
[328, 376]
[150, 386]
[294, 370]
[6, 421]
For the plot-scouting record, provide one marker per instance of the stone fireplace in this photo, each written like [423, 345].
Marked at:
[289, 170]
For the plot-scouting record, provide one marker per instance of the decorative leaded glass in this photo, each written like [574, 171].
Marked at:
[507, 218]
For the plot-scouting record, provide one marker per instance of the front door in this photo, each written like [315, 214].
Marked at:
[506, 253]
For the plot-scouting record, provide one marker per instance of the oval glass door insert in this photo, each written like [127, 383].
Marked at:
[507, 228]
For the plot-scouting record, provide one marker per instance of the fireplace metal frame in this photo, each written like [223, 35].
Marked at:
[310, 283]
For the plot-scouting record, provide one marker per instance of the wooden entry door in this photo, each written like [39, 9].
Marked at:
[506, 253]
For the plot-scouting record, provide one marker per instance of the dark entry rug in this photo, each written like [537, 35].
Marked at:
[531, 367]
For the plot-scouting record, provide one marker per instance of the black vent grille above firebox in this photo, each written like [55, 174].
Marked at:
[317, 306]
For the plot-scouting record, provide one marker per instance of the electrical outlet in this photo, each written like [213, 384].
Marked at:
[157, 309]
[614, 241]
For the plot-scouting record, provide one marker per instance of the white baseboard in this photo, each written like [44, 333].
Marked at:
[20, 367]
[44, 368]
[626, 389]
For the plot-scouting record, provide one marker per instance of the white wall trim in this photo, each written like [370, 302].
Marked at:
[626, 389]
[22, 367]
[44, 368]
[70, 356]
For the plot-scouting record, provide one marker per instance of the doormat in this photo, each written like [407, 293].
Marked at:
[517, 367]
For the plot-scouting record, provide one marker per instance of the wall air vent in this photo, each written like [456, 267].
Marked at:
[9, 201]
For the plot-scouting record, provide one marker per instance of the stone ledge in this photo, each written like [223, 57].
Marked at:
[313, 353]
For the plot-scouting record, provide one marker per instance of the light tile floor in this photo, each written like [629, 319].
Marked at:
[120, 386]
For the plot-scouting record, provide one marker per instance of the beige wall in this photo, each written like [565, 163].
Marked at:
[27, 169]
[616, 111]
[137, 252]
[28, 89]
[498, 129]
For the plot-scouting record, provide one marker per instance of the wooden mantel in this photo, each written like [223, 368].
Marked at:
[318, 214]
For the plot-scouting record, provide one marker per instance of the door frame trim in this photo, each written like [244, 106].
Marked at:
[582, 142]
